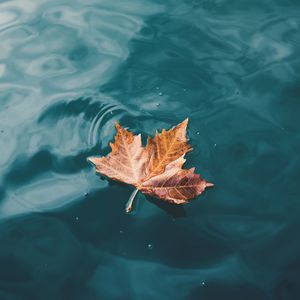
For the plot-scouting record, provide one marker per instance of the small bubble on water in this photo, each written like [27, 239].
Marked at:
[184, 90]
[157, 87]
[160, 93]
[121, 231]
[215, 145]
[86, 194]
[203, 283]
[157, 104]
[198, 132]
[76, 218]
[150, 246]
[111, 112]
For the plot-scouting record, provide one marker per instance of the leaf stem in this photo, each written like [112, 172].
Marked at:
[129, 205]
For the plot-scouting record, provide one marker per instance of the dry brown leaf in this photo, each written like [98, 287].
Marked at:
[175, 184]
[127, 160]
[155, 169]
[165, 147]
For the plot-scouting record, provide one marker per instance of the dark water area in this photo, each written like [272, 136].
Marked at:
[70, 69]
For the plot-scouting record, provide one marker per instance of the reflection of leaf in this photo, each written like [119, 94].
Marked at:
[155, 169]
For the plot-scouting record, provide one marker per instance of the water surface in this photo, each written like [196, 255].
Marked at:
[70, 69]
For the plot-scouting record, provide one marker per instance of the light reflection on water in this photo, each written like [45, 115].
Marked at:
[68, 71]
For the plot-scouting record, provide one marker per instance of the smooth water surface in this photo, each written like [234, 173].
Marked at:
[70, 69]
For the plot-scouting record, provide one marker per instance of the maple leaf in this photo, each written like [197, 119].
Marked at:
[155, 169]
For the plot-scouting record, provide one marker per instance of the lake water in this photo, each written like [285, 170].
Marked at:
[70, 69]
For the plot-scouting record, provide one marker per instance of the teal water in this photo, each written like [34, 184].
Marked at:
[70, 69]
